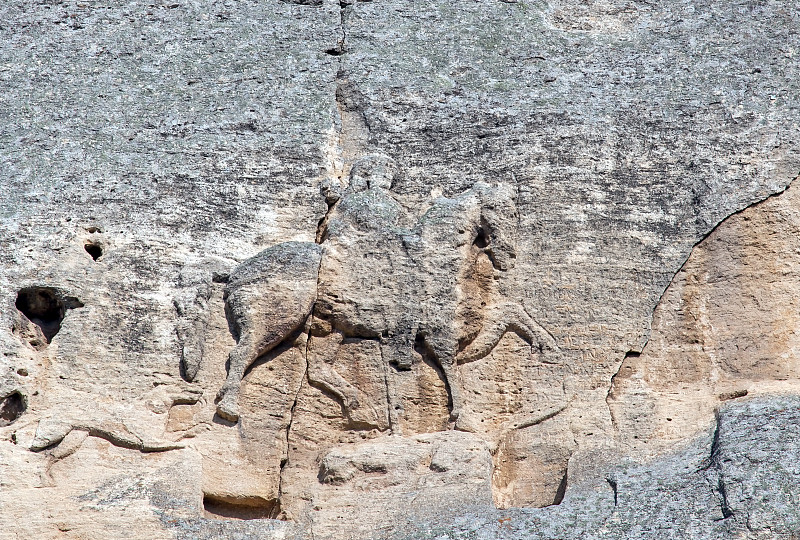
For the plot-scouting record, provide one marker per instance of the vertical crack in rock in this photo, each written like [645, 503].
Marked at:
[726, 510]
[285, 460]
[610, 395]
[562, 490]
[352, 130]
[341, 45]
[714, 467]
[348, 135]
[613, 484]
[713, 457]
[322, 226]
[391, 418]
[517, 202]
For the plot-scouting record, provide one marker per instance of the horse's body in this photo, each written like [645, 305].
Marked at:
[373, 279]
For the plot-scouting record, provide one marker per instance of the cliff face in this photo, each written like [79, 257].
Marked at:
[314, 269]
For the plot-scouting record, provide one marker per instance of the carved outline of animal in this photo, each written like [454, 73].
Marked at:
[260, 324]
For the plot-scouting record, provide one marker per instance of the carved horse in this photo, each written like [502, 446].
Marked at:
[271, 296]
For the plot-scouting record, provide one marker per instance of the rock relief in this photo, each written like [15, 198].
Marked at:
[379, 317]
[433, 289]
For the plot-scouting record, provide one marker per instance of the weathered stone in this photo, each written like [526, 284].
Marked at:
[724, 329]
[320, 269]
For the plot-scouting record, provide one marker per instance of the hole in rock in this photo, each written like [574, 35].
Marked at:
[45, 308]
[481, 241]
[11, 407]
[94, 250]
[220, 277]
[241, 508]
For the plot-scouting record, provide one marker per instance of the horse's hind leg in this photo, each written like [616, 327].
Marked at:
[267, 298]
[261, 323]
[240, 358]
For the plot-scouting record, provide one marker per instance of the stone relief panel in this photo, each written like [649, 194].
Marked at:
[401, 326]
[436, 296]
[390, 361]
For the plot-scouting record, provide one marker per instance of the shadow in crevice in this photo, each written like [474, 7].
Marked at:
[93, 249]
[241, 508]
[45, 307]
[11, 408]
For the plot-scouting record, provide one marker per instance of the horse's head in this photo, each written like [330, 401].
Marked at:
[499, 223]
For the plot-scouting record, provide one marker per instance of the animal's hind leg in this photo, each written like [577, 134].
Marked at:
[240, 359]
[453, 378]
[267, 298]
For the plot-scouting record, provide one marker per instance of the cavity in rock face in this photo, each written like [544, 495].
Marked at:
[11, 407]
[45, 307]
[240, 509]
[95, 250]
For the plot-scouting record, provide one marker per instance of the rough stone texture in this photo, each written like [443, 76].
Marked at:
[737, 480]
[725, 328]
[394, 269]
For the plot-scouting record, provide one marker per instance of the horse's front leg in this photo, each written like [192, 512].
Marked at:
[522, 323]
[358, 408]
[443, 343]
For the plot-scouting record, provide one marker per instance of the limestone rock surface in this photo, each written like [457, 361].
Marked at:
[389, 269]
